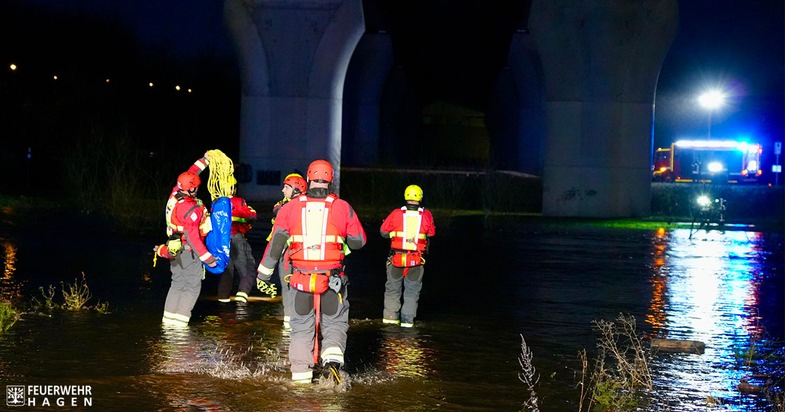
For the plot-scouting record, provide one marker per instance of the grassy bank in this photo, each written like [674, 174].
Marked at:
[457, 193]
[374, 192]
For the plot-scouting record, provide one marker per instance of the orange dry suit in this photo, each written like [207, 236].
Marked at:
[187, 220]
[316, 230]
[408, 229]
[243, 215]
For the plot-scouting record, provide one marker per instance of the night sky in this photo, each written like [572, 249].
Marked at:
[733, 45]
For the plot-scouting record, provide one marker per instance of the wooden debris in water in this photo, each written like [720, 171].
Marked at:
[746, 387]
[673, 345]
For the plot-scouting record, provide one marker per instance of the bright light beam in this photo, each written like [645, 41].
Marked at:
[712, 99]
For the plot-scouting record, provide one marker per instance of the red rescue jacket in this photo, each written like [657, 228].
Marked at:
[185, 217]
[319, 232]
[243, 215]
[408, 229]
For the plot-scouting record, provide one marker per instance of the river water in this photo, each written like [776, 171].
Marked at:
[488, 283]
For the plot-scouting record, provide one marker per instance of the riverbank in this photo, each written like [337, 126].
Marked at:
[448, 194]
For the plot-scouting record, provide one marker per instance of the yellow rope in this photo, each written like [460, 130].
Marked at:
[221, 182]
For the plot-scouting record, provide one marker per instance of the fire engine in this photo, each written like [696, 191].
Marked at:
[708, 161]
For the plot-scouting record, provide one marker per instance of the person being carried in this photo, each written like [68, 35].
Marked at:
[293, 185]
[241, 259]
[409, 229]
[185, 225]
[320, 230]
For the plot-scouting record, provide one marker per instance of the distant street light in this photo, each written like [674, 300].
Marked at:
[711, 100]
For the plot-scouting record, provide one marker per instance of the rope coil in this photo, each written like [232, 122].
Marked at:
[221, 182]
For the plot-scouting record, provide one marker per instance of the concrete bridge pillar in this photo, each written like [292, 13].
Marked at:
[600, 62]
[293, 56]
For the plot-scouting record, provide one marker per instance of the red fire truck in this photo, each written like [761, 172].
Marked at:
[708, 161]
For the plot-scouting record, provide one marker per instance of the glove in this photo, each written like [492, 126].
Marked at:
[173, 246]
[266, 287]
[163, 251]
[335, 283]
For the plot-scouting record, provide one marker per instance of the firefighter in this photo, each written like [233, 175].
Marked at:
[185, 225]
[409, 230]
[320, 229]
[293, 185]
[241, 258]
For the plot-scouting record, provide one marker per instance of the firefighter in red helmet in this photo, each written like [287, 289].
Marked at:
[409, 229]
[185, 225]
[320, 229]
[293, 185]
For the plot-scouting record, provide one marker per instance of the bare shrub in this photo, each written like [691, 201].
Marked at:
[528, 376]
[76, 294]
[621, 369]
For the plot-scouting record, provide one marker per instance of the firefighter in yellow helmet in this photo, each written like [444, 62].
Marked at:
[409, 229]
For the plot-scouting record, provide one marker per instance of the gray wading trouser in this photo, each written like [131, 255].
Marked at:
[287, 292]
[242, 263]
[397, 285]
[187, 275]
[334, 325]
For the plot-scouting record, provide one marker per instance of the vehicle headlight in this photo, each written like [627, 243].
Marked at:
[715, 167]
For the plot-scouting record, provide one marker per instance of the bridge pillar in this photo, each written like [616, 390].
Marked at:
[293, 56]
[600, 62]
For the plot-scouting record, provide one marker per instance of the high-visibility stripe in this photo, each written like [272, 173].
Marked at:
[205, 256]
[412, 220]
[315, 244]
[175, 319]
[302, 377]
[327, 238]
[401, 234]
[332, 354]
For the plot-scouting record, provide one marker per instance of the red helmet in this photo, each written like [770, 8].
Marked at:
[320, 170]
[296, 182]
[187, 181]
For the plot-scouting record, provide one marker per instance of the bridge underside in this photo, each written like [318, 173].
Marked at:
[566, 93]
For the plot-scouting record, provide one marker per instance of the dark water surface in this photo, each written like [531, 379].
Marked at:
[487, 282]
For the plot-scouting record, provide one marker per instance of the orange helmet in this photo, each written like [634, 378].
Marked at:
[320, 170]
[296, 182]
[187, 181]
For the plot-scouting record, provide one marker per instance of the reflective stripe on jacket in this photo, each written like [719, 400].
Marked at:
[409, 237]
[315, 244]
[408, 229]
[341, 223]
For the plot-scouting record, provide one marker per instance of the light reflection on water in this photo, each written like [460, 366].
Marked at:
[543, 282]
[706, 288]
[10, 288]
[405, 355]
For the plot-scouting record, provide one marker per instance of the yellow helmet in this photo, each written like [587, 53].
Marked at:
[413, 192]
